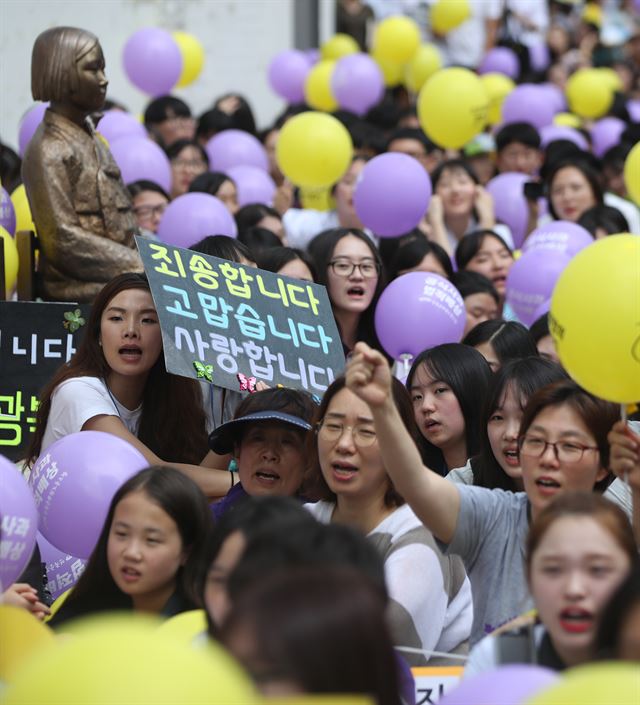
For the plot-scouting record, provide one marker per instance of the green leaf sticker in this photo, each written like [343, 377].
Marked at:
[73, 320]
[203, 371]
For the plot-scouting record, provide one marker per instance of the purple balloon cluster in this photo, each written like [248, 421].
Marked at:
[141, 158]
[510, 204]
[193, 216]
[500, 60]
[357, 83]
[287, 73]
[529, 103]
[231, 148]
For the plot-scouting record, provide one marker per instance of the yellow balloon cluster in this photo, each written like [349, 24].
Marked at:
[498, 86]
[632, 173]
[192, 57]
[338, 46]
[10, 260]
[124, 660]
[589, 93]
[396, 39]
[317, 87]
[449, 14]
[595, 318]
[392, 72]
[424, 63]
[314, 149]
[452, 107]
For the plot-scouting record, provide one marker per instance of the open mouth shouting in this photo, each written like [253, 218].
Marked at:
[130, 353]
[576, 620]
[343, 471]
[547, 486]
[130, 574]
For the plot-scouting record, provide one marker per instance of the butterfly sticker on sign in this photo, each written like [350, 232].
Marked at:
[222, 321]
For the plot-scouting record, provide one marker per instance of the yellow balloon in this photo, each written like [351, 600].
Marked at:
[632, 173]
[22, 635]
[338, 46]
[57, 604]
[425, 62]
[448, 14]
[396, 39]
[318, 199]
[595, 684]
[125, 660]
[192, 57]
[498, 87]
[611, 77]
[452, 107]
[10, 260]
[567, 120]
[317, 87]
[184, 627]
[595, 318]
[391, 71]
[314, 149]
[24, 219]
[589, 93]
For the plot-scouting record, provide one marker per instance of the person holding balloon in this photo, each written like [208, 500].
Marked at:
[117, 383]
[562, 447]
[349, 265]
[579, 550]
[459, 206]
[149, 552]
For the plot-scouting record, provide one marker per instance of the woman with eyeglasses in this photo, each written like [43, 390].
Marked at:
[349, 265]
[562, 447]
[149, 204]
[188, 160]
[430, 594]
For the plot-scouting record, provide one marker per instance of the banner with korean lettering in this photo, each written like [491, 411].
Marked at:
[232, 325]
[35, 339]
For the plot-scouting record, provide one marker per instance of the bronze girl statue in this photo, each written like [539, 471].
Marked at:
[80, 206]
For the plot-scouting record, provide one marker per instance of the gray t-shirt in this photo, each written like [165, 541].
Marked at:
[490, 537]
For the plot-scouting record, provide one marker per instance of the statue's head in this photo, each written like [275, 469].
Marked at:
[54, 62]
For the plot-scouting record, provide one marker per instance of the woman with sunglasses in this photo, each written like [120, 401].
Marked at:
[562, 447]
[430, 594]
[349, 265]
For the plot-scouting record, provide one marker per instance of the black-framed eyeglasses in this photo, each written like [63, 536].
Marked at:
[565, 451]
[331, 430]
[345, 268]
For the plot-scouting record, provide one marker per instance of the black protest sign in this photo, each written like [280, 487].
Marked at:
[35, 339]
[232, 325]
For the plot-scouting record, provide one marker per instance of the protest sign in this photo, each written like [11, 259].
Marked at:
[233, 325]
[35, 339]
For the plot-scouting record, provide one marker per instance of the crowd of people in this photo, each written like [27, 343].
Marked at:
[482, 509]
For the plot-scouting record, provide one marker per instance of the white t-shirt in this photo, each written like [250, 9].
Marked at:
[79, 399]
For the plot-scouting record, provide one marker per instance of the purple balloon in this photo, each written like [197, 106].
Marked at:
[193, 216]
[63, 569]
[555, 95]
[235, 148]
[531, 280]
[605, 134]
[633, 108]
[19, 518]
[312, 56]
[510, 204]
[141, 158]
[500, 60]
[152, 61]
[392, 194]
[559, 235]
[528, 103]
[117, 124]
[287, 73]
[542, 310]
[357, 83]
[417, 311]
[513, 684]
[7, 212]
[73, 482]
[539, 56]
[550, 133]
[254, 185]
[29, 124]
